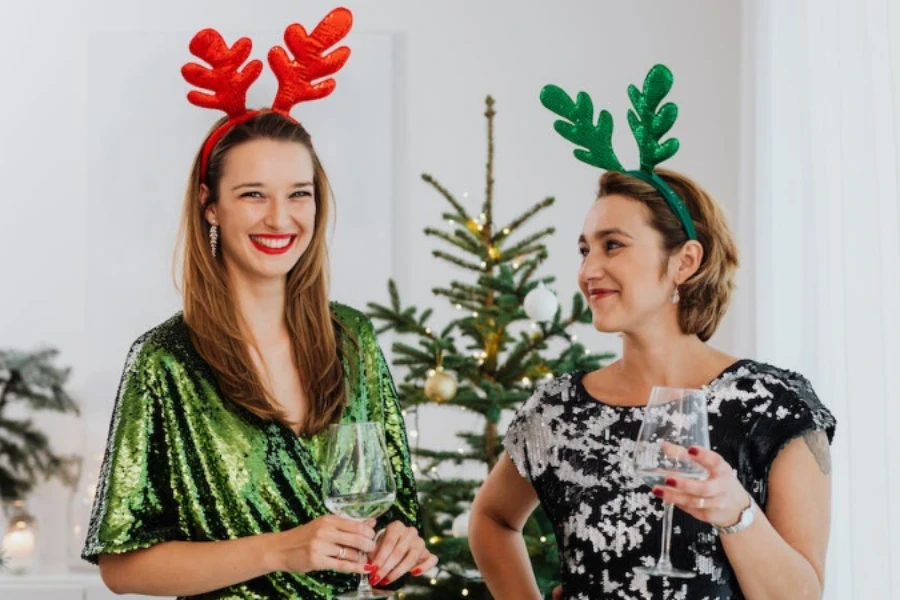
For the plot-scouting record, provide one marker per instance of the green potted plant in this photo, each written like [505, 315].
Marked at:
[29, 381]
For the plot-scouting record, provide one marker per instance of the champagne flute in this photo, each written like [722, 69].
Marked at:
[358, 481]
[674, 420]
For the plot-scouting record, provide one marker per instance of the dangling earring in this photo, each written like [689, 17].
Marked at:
[675, 296]
[214, 239]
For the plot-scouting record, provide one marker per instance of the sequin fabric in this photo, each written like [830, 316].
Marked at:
[576, 452]
[182, 463]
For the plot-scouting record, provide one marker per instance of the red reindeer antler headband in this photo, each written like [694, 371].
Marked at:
[296, 76]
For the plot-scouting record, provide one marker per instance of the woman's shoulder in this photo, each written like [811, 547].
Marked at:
[750, 378]
[771, 392]
[166, 346]
[351, 319]
[167, 337]
[549, 395]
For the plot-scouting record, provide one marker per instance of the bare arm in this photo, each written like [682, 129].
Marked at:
[783, 554]
[187, 568]
[495, 533]
[191, 568]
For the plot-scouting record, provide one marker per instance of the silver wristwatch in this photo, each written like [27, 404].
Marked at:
[746, 520]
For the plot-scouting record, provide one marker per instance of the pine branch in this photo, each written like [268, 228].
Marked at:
[460, 292]
[463, 243]
[503, 282]
[411, 353]
[530, 267]
[446, 194]
[515, 224]
[525, 246]
[463, 300]
[440, 455]
[40, 383]
[471, 290]
[474, 237]
[25, 453]
[539, 251]
[8, 384]
[457, 261]
[523, 349]
[489, 168]
[448, 485]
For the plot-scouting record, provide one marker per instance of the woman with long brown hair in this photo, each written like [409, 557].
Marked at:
[211, 485]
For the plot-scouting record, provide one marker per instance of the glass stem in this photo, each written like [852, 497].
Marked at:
[664, 561]
[364, 590]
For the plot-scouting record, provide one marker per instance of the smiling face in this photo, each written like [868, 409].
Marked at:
[626, 276]
[265, 207]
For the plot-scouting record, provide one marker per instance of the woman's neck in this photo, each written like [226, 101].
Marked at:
[260, 304]
[664, 356]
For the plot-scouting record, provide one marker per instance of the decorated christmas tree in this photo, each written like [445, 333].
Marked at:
[31, 381]
[510, 334]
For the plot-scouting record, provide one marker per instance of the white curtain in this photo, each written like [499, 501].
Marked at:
[820, 220]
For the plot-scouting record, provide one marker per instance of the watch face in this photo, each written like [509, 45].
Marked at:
[747, 515]
[745, 521]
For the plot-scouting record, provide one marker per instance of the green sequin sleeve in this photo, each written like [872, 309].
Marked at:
[139, 507]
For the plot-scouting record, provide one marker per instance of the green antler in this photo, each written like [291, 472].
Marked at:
[650, 125]
[579, 127]
[647, 123]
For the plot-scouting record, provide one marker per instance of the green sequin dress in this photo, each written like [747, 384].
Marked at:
[184, 464]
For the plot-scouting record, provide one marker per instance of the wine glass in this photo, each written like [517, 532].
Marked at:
[674, 420]
[359, 481]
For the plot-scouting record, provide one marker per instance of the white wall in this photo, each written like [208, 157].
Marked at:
[449, 55]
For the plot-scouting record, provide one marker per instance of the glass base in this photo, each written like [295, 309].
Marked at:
[665, 572]
[365, 595]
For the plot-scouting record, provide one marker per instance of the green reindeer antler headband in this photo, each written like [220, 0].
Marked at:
[647, 123]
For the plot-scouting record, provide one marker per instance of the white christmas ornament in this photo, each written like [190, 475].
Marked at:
[460, 527]
[541, 304]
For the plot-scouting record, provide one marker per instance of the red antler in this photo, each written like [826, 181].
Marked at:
[295, 77]
[228, 84]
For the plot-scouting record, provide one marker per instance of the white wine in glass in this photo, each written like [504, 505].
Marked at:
[359, 481]
[675, 419]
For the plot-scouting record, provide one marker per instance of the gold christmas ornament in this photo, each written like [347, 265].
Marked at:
[440, 386]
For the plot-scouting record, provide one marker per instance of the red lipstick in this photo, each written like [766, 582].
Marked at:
[268, 243]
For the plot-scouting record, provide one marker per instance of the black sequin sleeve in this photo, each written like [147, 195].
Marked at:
[792, 411]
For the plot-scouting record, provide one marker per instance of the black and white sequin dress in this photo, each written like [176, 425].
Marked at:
[576, 450]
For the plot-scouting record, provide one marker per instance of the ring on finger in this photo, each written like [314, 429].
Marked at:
[342, 553]
[701, 503]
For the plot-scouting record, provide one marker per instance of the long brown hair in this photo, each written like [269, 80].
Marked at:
[705, 296]
[215, 325]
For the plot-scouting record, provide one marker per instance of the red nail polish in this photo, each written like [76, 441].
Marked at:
[416, 572]
[373, 579]
[658, 492]
[370, 568]
[693, 451]
[671, 482]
